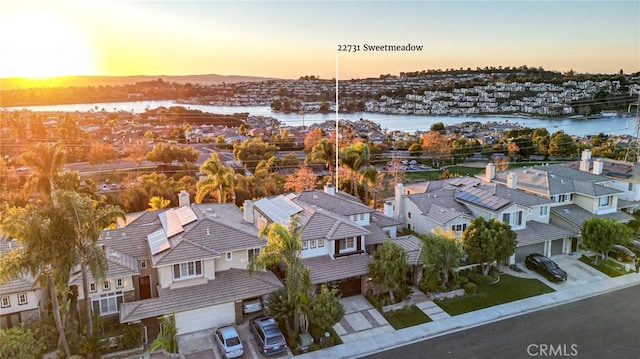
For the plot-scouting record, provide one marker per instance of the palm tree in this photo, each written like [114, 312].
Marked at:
[325, 152]
[46, 250]
[45, 162]
[219, 179]
[370, 178]
[283, 248]
[88, 221]
[354, 157]
[158, 202]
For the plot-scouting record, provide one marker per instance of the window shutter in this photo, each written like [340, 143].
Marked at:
[198, 267]
[176, 271]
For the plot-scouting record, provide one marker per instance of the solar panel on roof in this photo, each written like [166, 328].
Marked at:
[272, 211]
[170, 223]
[158, 242]
[185, 215]
[481, 198]
[286, 205]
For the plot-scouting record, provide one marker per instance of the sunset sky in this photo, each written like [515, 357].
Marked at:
[293, 39]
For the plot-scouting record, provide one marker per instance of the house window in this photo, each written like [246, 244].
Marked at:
[630, 187]
[409, 214]
[459, 227]
[347, 245]
[5, 301]
[313, 243]
[106, 285]
[229, 256]
[321, 242]
[604, 201]
[361, 216]
[187, 270]
[92, 287]
[512, 218]
[354, 217]
[119, 283]
[143, 264]
[562, 198]
[305, 244]
[108, 304]
[22, 298]
[544, 211]
[253, 253]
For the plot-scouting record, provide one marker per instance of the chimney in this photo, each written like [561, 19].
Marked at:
[184, 198]
[512, 180]
[490, 172]
[248, 211]
[388, 209]
[584, 161]
[597, 167]
[329, 189]
[399, 192]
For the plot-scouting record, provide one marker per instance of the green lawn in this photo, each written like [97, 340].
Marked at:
[406, 317]
[508, 289]
[607, 267]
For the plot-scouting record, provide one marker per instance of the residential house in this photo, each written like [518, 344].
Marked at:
[191, 261]
[338, 233]
[575, 195]
[451, 204]
[623, 176]
[22, 300]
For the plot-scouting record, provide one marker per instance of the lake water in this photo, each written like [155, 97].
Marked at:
[407, 123]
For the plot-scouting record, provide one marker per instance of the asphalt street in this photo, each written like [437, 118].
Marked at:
[605, 326]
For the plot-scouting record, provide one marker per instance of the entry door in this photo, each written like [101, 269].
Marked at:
[144, 283]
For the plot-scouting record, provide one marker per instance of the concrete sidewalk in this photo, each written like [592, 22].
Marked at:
[402, 337]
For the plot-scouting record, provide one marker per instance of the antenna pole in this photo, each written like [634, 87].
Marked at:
[337, 126]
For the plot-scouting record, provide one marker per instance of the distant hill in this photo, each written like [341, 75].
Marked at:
[81, 81]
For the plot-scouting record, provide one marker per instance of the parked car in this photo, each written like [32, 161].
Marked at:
[229, 341]
[622, 254]
[268, 335]
[252, 305]
[546, 267]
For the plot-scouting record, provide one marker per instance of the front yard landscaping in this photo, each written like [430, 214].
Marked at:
[606, 266]
[406, 317]
[508, 289]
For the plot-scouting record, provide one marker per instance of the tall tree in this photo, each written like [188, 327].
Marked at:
[562, 145]
[325, 309]
[489, 241]
[46, 250]
[218, 180]
[88, 220]
[436, 146]
[442, 254]
[283, 248]
[354, 157]
[389, 267]
[325, 152]
[601, 234]
[45, 162]
[304, 179]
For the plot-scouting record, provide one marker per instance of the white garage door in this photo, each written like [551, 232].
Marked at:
[557, 246]
[205, 318]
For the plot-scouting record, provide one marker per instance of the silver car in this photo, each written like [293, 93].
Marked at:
[229, 341]
[252, 305]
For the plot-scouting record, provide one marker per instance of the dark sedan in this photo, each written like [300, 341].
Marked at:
[634, 246]
[546, 267]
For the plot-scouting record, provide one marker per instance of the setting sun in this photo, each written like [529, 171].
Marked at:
[41, 44]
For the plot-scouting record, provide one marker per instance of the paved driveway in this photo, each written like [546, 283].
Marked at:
[360, 320]
[202, 345]
[578, 273]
